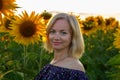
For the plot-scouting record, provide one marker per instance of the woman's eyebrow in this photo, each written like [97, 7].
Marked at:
[63, 30]
[52, 29]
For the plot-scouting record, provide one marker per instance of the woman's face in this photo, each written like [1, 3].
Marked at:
[60, 35]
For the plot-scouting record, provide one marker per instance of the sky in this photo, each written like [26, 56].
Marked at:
[84, 7]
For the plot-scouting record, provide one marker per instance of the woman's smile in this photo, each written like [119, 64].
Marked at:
[60, 35]
[56, 43]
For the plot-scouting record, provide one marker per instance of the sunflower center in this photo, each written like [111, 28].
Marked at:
[1, 4]
[27, 28]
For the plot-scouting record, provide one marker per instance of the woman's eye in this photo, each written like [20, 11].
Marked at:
[52, 31]
[63, 33]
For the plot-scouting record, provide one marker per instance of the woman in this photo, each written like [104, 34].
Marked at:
[65, 40]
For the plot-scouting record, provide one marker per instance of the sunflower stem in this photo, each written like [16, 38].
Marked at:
[25, 55]
[40, 59]
[25, 59]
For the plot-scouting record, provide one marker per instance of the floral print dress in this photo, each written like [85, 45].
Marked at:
[52, 72]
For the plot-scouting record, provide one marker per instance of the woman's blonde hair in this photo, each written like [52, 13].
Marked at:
[77, 42]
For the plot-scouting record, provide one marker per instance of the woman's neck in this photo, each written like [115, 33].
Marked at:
[58, 57]
[60, 54]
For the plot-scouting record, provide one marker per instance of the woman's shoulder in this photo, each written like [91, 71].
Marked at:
[71, 63]
[75, 64]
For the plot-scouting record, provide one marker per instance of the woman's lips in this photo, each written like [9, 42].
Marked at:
[56, 43]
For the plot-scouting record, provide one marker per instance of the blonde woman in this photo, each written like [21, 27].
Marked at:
[65, 40]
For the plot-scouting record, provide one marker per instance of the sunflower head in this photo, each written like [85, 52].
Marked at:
[46, 15]
[5, 26]
[99, 20]
[7, 7]
[88, 27]
[27, 28]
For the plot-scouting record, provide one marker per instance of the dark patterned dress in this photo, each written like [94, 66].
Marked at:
[51, 72]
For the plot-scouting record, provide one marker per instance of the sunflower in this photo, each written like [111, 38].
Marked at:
[27, 29]
[5, 26]
[110, 24]
[46, 17]
[100, 22]
[7, 7]
[116, 42]
[88, 27]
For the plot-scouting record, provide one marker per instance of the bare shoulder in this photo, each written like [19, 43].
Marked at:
[76, 64]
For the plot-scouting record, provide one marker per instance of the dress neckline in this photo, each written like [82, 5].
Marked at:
[52, 65]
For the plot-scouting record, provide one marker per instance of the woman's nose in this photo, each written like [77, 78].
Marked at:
[57, 36]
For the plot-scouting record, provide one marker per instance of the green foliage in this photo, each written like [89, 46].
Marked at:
[114, 68]
[97, 52]
[13, 76]
[18, 62]
[114, 60]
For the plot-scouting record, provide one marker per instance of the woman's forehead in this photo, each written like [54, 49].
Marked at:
[61, 23]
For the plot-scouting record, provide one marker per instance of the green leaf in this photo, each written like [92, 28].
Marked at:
[114, 60]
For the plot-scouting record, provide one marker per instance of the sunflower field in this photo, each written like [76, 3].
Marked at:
[22, 38]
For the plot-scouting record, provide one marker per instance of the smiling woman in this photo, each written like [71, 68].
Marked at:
[65, 40]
